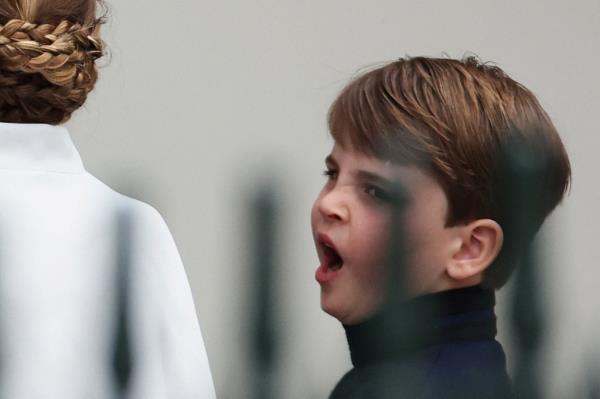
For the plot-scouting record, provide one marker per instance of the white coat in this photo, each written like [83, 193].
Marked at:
[74, 255]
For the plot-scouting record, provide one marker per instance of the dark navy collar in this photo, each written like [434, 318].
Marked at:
[406, 328]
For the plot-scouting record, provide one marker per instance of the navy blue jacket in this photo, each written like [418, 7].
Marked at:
[438, 346]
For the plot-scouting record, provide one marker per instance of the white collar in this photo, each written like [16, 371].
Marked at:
[38, 147]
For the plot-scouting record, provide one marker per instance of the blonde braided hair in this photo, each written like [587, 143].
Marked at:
[46, 71]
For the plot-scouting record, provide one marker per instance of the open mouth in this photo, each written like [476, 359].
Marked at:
[331, 258]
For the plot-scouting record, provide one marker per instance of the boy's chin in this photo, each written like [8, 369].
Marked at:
[332, 307]
[343, 311]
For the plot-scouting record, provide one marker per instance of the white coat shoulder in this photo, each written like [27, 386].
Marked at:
[171, 356]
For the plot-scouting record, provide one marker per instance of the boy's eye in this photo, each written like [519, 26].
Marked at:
[377, 193]
[330, 173]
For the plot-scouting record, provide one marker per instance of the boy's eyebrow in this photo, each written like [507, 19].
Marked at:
[330, 161]
[374, 177]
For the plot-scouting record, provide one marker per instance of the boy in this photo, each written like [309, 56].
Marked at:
[437, 127]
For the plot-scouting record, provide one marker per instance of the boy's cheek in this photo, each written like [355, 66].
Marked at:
[374, 248]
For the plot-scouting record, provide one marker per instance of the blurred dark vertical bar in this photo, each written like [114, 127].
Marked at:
[122, 359]
[397, 316]
[523, 167]
[528, 324]
[592, 384]
[397, 386]
[263, 237]
[593, 388]
[396, 247]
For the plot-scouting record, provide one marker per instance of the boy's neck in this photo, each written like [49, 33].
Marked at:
[405, 328]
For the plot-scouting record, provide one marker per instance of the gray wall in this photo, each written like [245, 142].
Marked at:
[200, 99]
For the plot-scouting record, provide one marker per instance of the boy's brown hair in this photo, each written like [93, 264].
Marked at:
[452, 117]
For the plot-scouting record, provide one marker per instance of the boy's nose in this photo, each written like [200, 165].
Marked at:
[332, 206]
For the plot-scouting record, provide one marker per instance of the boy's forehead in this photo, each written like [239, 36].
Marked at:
[340, 151]
[357, 161]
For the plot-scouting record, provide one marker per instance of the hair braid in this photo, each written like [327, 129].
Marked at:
[46, 71]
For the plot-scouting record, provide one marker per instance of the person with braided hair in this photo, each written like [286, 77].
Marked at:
[48, 66]
[94, 299]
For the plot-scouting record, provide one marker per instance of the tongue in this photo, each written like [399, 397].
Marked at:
[336, 265]
[335, 261]
[326, 273]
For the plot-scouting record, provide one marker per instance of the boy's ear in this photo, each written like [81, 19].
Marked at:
[476, 246]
